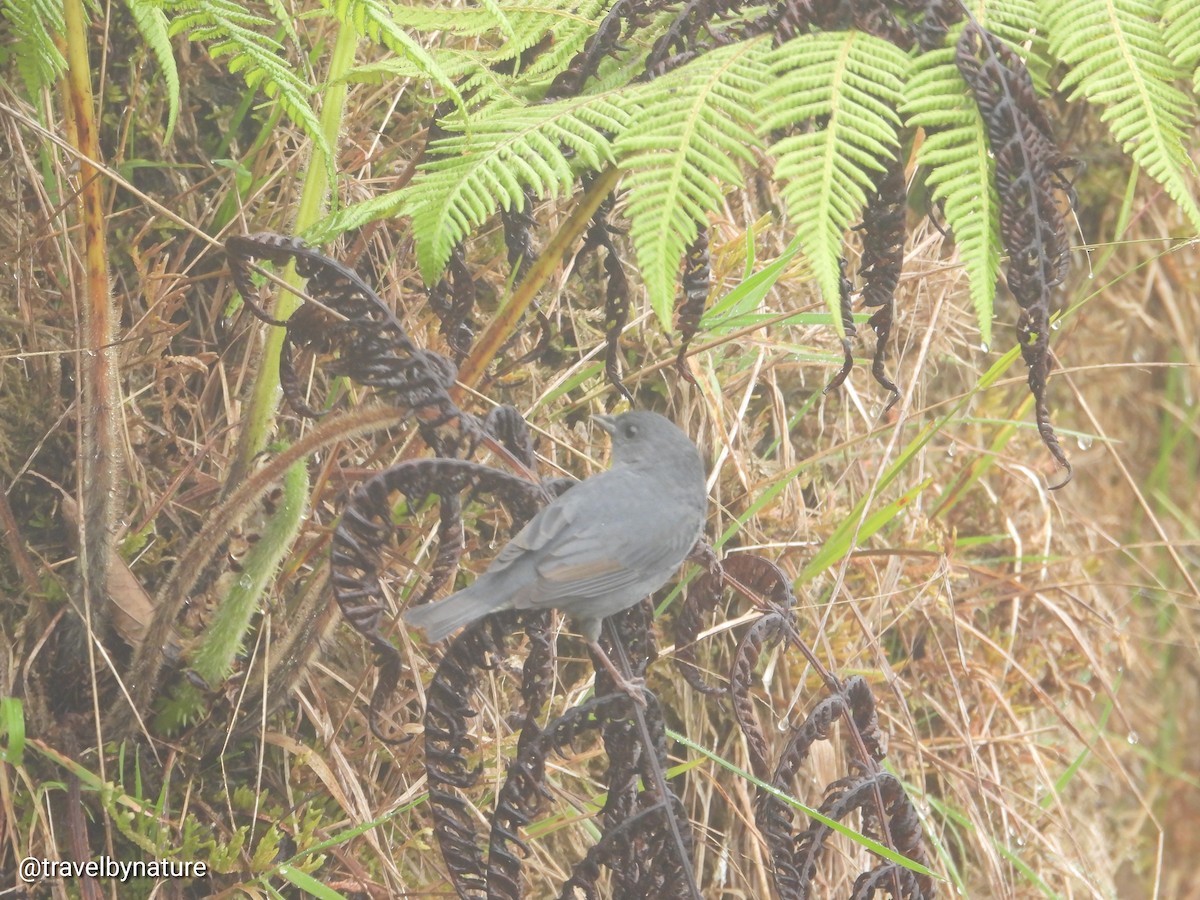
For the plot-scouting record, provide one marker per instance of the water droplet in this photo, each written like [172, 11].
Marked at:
[985, 346]
[245, 582]
[1084, 441]
[951, 450]
[1133, 738]
[1055, 325]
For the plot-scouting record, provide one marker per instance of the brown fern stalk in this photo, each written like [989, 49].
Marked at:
[1029, 181]
[507, 319]
[99, 450]
[697, 285]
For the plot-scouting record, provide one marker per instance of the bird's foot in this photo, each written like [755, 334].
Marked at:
[634, 687]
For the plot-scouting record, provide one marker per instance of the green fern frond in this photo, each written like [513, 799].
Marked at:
[1182, 33]
[355, 216]
[503, 25]
[1118, 57]
[34, 24]
[1013, 21]
[524, 24]
[570, 26]
[681, 150]
[1019, 24]
[846, 87]
[468, 70]
[152, 23]
[229, 31]
[468, 21]
[374, 19]
[495, 157]
[955, 153]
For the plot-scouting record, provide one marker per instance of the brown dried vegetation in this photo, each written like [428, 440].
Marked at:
[1026, 660]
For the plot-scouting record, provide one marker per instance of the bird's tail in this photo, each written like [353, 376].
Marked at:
[442, 617]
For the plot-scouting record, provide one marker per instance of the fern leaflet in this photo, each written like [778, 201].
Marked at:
[1118, 57]
[956, 153]
[230, 32]
[1182, 33]
[845, 86]
[35, 23]
[493, 158]
[151, 22]
[375, 20]
[680, 151]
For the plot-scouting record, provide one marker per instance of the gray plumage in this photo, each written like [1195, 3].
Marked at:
[601, 547]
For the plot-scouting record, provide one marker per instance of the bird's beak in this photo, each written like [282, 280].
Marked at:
[608, 423]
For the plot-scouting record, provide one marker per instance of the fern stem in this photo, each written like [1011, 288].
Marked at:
[502, 326]
[260, 416]
[223, 638]
[99, 454]
[148, 658]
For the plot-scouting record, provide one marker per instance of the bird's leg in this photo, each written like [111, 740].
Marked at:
[634, 687]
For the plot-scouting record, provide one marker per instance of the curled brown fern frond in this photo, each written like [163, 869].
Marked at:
[1029, 181]
[344, 316]
[702, 597]
[356, 559]
[452, 300]
[882, 259]
[448, 742]
[697, 284]
[617, 296]
[847, 314]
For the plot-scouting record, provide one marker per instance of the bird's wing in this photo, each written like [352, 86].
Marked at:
[595, 563]
[577, 556]
[543, 530]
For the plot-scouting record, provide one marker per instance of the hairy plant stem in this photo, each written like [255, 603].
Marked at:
[214, 656]
[99, 454]
[213, 660]
[147, 661]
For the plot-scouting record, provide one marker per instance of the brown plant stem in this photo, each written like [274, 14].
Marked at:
[99, 455]
[505, 321]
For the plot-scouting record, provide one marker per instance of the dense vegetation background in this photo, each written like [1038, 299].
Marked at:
[1033, 653]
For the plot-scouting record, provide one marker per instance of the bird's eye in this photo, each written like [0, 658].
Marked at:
[631, 431]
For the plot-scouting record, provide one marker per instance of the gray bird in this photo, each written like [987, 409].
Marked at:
[604, 545]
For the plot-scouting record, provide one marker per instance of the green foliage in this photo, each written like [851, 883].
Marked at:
[355, 216]
[152, 23]
[1118, 53]
[374, 19]
[1182, 36]
[681, 149]
[34, 24]
[12, 730]
[852, 83]
[832, 102]
[494, 158]
[235, 35]
[496, 69]
[955, 154]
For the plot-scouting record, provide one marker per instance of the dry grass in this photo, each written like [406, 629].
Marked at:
[1033, 654]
